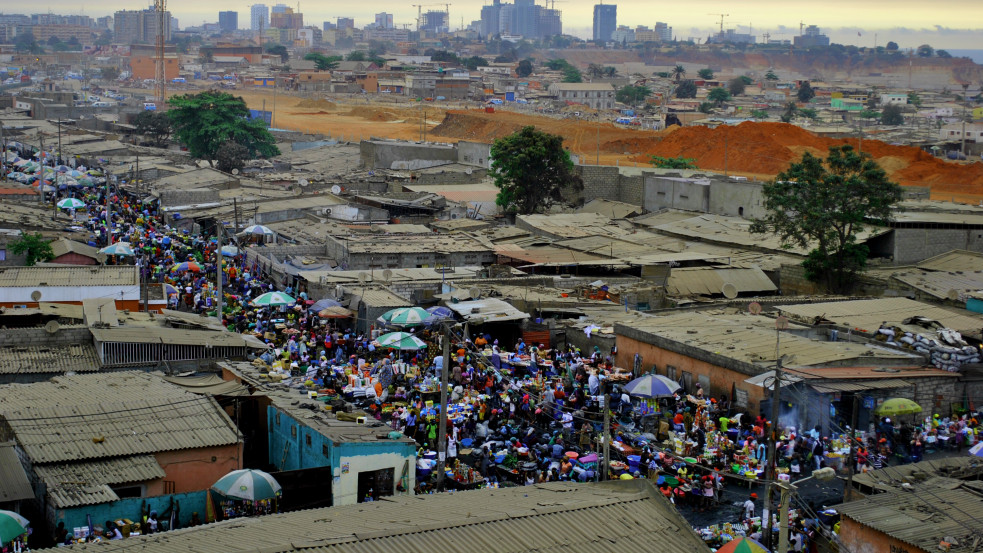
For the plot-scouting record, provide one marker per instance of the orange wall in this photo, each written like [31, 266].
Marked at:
[369, 83]
[721, 379]
[861, 539]
[193, 469]
[132, 305]
[144, 67]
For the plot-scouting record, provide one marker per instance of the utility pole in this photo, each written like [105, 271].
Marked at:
[606, 436]
[783, 517]
[41, 174]
[219, 228]
[235, 215]
[442, 415]
[781, 323]
[853, 442]
[109, 210]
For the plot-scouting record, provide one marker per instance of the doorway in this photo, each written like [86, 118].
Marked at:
[375, 484]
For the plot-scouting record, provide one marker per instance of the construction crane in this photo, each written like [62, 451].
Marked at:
[419, 13]
[160, 75]
[722, 16]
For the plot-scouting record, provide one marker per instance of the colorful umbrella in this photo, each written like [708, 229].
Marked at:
[897, 406]
[405, 316]
[652, 386]
[119, 248]
[439, 313]
[273, 298]
[258, 230]
[230, 251]
[11, 526]
[336, 312]
[170, 289]
[71, 203]
[324, 304]
[186, 266]
[977, 450]
[401, 340]
[742, 545]
[248, 484]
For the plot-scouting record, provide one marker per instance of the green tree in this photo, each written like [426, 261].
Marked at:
[892, 115]
[322, 62]
[706, 74]
[771, 76]
[557, 64]
[788, 112]
[868, 114]
[154, 124]
[205, 121]
[942, 54]
[474, 62]
[105, 39]
[34, 246]
[686, 89]
[759, 114]
[358, 55]
[632, 95]
[26, 43]
[531, 170]
[109, 73]
[278, 50]
[572, 75]
[595, 70]
[443, 56]
[736, 86]
[825, 205]
[231, 155]
[914, 99]
[805, 92]
[892, 46]
[925, 51]
[678, 162]
[678, 73]
[705, 107]
[524, 69]
[610, 72]
[808, 113]
[718, 96]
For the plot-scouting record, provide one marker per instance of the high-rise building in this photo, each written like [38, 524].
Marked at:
[259, 17]
[280, 8]
[605, 21]
[132, 26]
[346, 23]
[523, 18]
[434, 22]
[327, 26]
[810, 37]
[663, 31]
[228, 21]
[384, 20]
[286, 19]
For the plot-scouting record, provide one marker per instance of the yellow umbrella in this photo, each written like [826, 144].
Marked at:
[897, 406]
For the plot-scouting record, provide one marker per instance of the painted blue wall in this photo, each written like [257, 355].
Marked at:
[975, 305]
[130, 508]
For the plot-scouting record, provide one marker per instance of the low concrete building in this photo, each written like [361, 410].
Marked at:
[599, 96]
[26, 286]
[393, 252]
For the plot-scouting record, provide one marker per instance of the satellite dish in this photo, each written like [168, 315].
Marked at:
[336, 189]
[363, 277]
[468, 171]
[754, 308]
[303, 182]
[951, 294]
[36, 295]
[51, 327]
[235, 171]
[475, 293]
[729, 290]
[387, 275]
[781, 323]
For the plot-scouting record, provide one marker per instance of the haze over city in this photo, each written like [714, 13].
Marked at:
[907, 22]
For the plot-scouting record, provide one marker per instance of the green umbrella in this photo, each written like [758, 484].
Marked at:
[71, 203]
[273, 298]
[11, 526]
[742, 545]
[404, 316]
[897, 406]
[401, 340]
[248, 484]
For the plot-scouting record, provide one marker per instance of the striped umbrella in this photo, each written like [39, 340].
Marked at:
[248, 484]
[273, 298]
[11, 526]
[438, 313]
[401, 340]
[742, 545]
[186, 266]
[405, 316]
[258, 230]
[652, 386]
[170, 289]
[324, 304]
[71, 203]
[119, 248]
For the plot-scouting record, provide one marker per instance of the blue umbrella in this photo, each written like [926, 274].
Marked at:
[652, 386]
[320, 305]
[438, 313]
[248, 484]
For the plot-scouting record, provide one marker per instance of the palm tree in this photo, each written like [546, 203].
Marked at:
[678, 73]
[771, 76]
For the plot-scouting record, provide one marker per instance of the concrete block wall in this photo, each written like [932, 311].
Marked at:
[188, 197]
[914, 245]
[792, 281]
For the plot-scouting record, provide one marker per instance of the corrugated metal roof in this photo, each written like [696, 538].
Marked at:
[70, 418]
[209, 384]
[62, 310]
[709, 281]
[14, 484]
[69, 275]
[961, 467]
[169, 336]
[956, 260]
[49, 359]
[860, 385]
[378, 297]
[75, 495]
[924, 515]
[939, 284]
[869, 314]
[611, 208]
[489, 310]
[618, 516]
[63, 246]
[119, 470]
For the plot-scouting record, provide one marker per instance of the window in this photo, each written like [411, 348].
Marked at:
[278, 418]
[293, 431]
[307, 438]
[671, 372]
[740, 211]
[324, 450]
[3, 254]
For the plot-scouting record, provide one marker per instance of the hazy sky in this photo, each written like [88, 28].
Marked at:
[907, 22]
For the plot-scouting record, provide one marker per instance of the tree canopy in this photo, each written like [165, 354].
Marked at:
[806, 92]
[678, 162]
[824, 205]
[34, 246]
[892, 115]
[718, 95]
[705, 74]
[524, 69]
[154, 124]
[736, 86]
[204, 121]
[686, 89]
[531, 170]
[322, 62]
[278, 50]
[632, 95]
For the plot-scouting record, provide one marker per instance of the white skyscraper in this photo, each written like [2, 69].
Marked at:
[259, 16]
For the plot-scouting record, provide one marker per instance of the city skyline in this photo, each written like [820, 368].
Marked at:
[906, 22]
